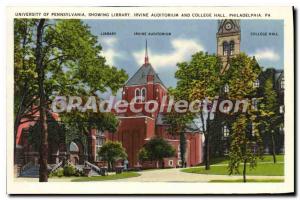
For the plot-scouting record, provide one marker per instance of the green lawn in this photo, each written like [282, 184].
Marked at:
[106, 178]
[266, 158]
[262, 169]
[249, 181]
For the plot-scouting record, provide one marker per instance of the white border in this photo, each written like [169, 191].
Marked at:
[158, 187]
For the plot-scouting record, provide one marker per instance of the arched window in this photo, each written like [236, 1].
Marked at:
[144, 94]
[231, 47]
[225, 48]
[137, 94]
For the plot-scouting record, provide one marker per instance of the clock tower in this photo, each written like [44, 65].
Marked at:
[228, 40]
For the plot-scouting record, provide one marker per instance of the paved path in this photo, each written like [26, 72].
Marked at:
[175, 175]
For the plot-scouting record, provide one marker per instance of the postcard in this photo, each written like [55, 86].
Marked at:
[150, 100]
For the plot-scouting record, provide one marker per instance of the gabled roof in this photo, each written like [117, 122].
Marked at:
[221, 24]
[140, 77]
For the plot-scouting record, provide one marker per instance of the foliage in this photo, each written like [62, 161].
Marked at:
[69, 170]
[240, 76]
[246, 143]
[111, 152]
[58, 58]
[72, 66]
[177, 125]
[143, 154]
[58, 173]
[199, 79]
[157, 149]
[270, 113]
[56, 133]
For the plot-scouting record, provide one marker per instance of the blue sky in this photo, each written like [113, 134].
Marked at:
[125, 50]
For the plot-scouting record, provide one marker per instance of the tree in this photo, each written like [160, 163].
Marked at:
[25, 84]
[177, 123]
[246, 143]
[200, 79]
[157, 149]
[111, 152]
[143, 155]
[245, 147]
[60, 57]
[269, 112]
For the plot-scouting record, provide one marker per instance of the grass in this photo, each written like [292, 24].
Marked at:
[266, 158]
[262, 169]
[107, 178]
[249, 181]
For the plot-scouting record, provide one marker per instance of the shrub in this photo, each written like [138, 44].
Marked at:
[69, 170]
[59, 173]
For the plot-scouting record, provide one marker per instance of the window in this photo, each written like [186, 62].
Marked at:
[137, 94]
[256, 84]
[282, 83]
[231, 46]
[226, 88]
[254, 103]
[179, 162]
[281, 109]
[225, 131]
[100, 140]
[253, 130]
[144, 94]
[225, 48]
[171, 163]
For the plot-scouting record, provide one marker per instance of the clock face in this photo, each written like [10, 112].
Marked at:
[228, 26]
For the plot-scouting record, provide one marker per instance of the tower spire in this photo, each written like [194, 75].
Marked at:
[146, 54]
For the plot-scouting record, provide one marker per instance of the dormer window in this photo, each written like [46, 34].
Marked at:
[137, 94]
[143, 94]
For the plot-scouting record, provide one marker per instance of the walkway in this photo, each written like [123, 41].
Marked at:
[175, 175]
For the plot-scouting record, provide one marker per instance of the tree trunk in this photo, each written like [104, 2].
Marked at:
[206, 147]
[182, 148]
[273, 148]
[207, 165]
[244, 171]
[43, 172]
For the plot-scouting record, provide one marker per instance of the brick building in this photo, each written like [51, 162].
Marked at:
[135, 129]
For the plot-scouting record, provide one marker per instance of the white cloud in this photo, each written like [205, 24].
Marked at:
[109, 51]
[266, 54]
[182, 50]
